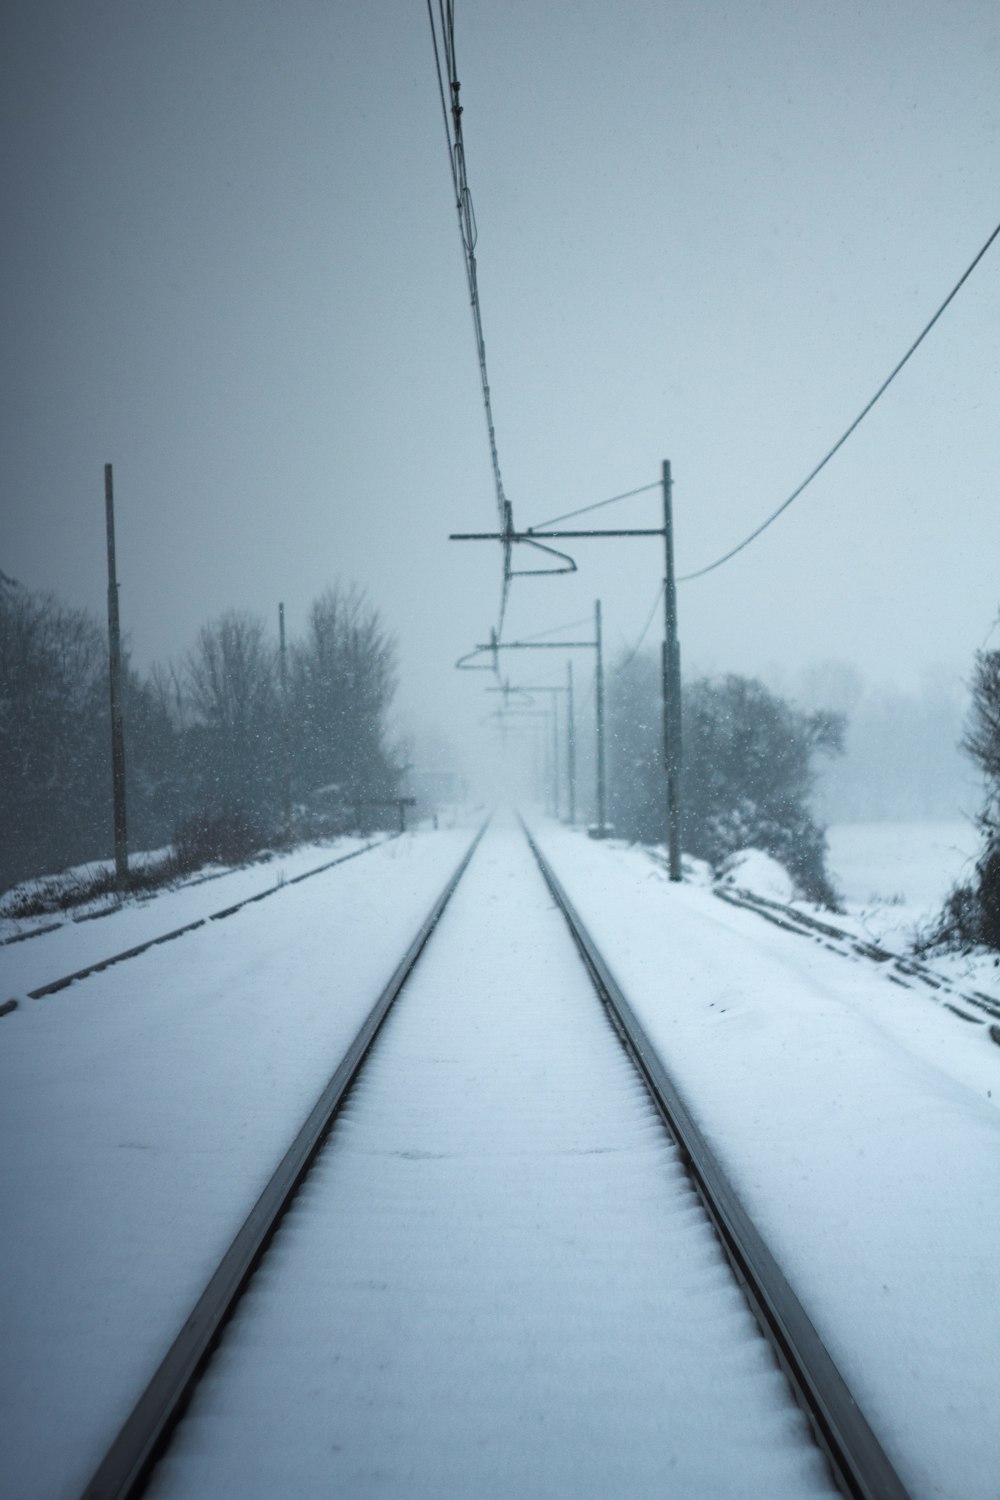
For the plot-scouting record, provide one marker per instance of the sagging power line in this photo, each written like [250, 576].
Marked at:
[710, 568]
[444, 61]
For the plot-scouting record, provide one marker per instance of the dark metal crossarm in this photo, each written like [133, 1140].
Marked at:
[532, 537]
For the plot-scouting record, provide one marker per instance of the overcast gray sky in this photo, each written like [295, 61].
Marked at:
[706, 232]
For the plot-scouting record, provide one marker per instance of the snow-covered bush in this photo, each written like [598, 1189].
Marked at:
[748, 771]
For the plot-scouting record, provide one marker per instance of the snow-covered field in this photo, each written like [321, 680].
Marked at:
[141, 1110]
[895, 876]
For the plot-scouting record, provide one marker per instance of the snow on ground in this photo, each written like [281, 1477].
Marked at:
[753, 870]
[115, 926]
[141, 1111]
[858, 1122]
[894, 877]
[499, 1282]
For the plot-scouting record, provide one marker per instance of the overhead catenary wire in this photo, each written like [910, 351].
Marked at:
[710, 568]
[443, 38]
[628, 660]
[611, 500]
[444, 60]
[570, 625]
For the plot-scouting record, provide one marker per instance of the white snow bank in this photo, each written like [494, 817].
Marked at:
[753, 870]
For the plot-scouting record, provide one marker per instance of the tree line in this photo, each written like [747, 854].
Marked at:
[214, 742]
[750, 771]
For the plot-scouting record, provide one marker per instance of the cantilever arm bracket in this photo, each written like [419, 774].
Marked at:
[493, 646]
[569, 564]
[462, 664]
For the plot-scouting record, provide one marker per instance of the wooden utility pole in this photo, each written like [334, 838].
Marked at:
[115, 675]
[671, 672]
[286, 780]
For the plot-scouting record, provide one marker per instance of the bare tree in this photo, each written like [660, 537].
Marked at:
[54, 782]
[342, 684]
[230, 680]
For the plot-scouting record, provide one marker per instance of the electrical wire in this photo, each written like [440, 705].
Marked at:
[645, 630]
[444, 60]
[570, 625]
[700, 573]
[642, 490]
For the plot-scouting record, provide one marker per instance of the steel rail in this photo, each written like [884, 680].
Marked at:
[214, 916]
[126, 1467]
[860, 1466]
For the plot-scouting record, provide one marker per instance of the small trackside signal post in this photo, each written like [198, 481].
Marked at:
[671, 668]
[115, 675]
[286, 780]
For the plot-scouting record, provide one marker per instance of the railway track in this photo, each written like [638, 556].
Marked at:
[98, 965]
[900, 968]
[485, 1267]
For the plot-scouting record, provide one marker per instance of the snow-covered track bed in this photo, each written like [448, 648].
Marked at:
[126, 1466]
[900, 968]
[838, 1423]
[498, 1278]
[144, 916]
[859, 1128]
[142, 1112]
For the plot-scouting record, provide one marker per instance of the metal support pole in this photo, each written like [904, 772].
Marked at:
[570, 744]
[286, 779]
[671, 673]
[601, 819]
[115, 675]
[556, 789]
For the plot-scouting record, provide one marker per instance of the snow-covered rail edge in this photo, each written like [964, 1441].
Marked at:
[859, 1463]
[55, 985]
[125, 1469]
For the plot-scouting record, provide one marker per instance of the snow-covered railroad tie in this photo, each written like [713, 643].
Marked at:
[498, 1278]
